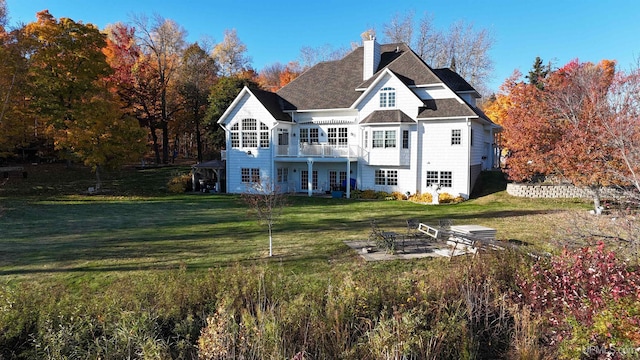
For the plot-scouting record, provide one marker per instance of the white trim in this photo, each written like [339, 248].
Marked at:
[329, 121]
[234, 103]
[321, 110]
[375, 82]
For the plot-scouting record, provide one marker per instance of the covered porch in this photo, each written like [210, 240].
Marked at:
[319, 175]
[207, 176]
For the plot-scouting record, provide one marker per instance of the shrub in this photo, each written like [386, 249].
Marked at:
[446, 198]
[398, 195]
[421, 198]
[579, 293]
[179, 183]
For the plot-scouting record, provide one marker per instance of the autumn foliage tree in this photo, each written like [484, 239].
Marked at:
[560, 128]
[68, 74]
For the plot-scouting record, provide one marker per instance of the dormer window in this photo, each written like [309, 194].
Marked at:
[388, 97]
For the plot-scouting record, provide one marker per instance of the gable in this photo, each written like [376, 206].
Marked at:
[247, 106]
[405, 99]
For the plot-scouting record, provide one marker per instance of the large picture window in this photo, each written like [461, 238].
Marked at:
[248, 134]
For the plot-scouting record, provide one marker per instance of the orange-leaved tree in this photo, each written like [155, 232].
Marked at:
[560, 128]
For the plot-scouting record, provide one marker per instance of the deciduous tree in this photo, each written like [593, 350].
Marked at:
[275, 76]
[231, 54]
[223, 92]
[69, 77]
[560, 130]
[197, 75]
[162, 43]
[267, 202]
[462, 44]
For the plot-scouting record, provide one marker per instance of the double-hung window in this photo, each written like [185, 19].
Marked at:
[384, 139]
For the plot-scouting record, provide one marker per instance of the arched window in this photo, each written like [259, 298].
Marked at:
[388, 97]
[248, 134]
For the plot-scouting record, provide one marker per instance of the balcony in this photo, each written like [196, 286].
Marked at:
[319, 150]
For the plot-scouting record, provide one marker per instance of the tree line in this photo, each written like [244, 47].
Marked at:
[135, 90]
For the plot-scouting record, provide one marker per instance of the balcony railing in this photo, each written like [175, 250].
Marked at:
[319, 150]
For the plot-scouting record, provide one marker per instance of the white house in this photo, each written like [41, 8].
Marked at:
[380, 118]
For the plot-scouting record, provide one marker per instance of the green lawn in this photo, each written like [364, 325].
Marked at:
[136, 272]
[47, 229]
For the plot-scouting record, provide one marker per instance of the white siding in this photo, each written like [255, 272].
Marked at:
[237, 158]
[478, 148]
[434, 93]
[439, 155]
[406, 100]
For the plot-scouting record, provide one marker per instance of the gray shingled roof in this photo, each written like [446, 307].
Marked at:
[327, 85]
[445, 108]
[453, 80]
[406, 65]
[387, 117]
[273, 103]
[333, 84]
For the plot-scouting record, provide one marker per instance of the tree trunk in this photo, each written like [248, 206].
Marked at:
[154, 138]
[98, 180]
[165, 142]
[270, 242]
[595, 190]
[198, 141]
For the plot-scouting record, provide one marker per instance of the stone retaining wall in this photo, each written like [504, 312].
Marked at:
[547, 191]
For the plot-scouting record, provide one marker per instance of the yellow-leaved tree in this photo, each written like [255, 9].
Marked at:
[70, 91]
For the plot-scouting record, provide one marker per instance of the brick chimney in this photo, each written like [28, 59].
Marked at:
[371, 58]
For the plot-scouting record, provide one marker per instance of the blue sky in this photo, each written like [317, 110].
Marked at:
[275, 30]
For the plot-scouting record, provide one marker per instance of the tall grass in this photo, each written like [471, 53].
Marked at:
[438, 310]
[138, 273]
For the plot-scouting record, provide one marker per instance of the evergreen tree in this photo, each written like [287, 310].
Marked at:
[538, 73]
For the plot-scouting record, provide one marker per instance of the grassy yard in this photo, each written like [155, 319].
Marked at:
[48, 227]
[138, 272]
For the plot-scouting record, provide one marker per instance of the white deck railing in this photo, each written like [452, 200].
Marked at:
[319, 150]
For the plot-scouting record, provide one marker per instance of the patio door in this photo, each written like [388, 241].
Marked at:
[304, 180]
[337, 178]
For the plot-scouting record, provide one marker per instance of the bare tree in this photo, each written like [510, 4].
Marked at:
[310, 56]
[462, 45]
[267, 202]
[163, 42]
[230, 54]
[3, 13]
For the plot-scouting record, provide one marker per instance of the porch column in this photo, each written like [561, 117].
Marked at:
[310, 177]
[348, 178]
